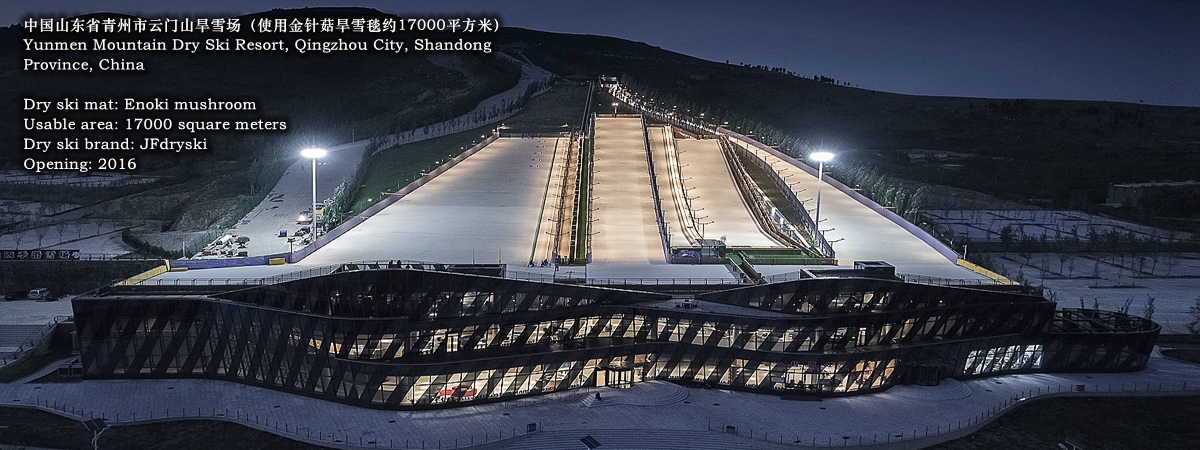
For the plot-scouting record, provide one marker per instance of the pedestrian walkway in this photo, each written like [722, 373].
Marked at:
[902, 417]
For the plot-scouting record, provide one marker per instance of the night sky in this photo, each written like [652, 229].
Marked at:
[1131, 51]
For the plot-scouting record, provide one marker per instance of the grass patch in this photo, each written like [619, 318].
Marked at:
[775, 194]
[1112, 423]
[398, 166]
[561, 105]
[583, 195]
[1190, 354]
[42, 429]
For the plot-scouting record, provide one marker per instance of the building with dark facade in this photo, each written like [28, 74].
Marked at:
[397, 336]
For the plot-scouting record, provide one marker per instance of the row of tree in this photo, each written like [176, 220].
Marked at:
[880, 188]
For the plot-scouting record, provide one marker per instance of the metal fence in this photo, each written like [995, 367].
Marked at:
[264, 422]
[776, 434]
[951, 429]
[34, 339]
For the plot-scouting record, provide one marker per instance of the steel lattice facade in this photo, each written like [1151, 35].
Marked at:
[410, 338]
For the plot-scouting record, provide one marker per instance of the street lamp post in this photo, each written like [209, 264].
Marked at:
[314, 154]
[820, 158]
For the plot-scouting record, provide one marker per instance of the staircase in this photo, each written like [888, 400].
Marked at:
[648, 393]
[633, 439]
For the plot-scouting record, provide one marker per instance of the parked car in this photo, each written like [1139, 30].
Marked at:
[40, 294]
[457, 392]
[15, 295]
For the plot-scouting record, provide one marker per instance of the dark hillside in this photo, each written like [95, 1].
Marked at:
[1065, 151]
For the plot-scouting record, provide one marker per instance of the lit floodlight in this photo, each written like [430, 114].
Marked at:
[821, 156]
[313, 153]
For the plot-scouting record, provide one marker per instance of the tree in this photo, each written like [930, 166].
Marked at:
[1171, 261]
[1148, 312]
[1124, 309]
[40, 232]
[1194, 326]
[60, 228]
[1006, 237]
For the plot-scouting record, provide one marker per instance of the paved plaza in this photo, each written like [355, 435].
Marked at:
[651, 415]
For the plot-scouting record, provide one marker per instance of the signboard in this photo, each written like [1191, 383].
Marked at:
[39, 255]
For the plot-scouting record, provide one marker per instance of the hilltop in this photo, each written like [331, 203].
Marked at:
[1059, 152]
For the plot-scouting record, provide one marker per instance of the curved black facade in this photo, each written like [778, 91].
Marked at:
[411, 338]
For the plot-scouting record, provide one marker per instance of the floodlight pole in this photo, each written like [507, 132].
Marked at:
[314, 154]
[820, 175]
[821, 157]
[314, 196]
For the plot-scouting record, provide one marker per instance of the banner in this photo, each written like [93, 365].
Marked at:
[38, 255]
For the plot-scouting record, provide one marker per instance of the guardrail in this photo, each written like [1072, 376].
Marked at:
[35, 339]
[297, 274]
[213, 263]
[925, 279]
[809, 227]
[156, 271]
[332, 437]
[619, 93]
[908, 278]
[916, 231]
[658, 216]
[777, 434]
[952, 429]
[564, 190]
[769, 217]
[615, 281]
[687, 219]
